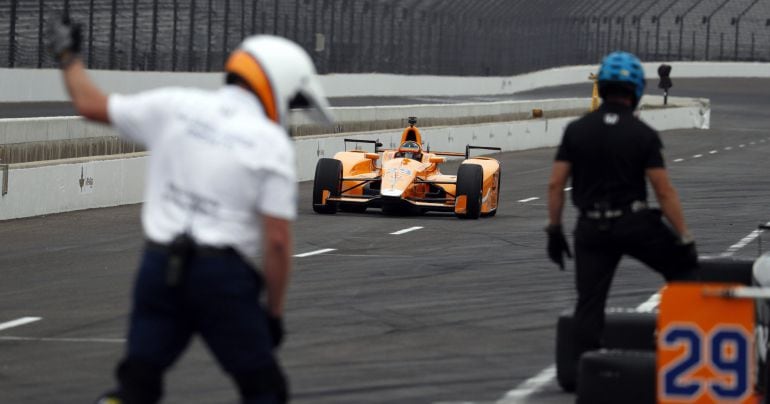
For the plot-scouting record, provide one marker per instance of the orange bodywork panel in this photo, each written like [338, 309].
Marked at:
[705, 346]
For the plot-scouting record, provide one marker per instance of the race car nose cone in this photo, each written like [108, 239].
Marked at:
[391, 192]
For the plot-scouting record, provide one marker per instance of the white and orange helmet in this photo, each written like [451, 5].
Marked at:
[282, 75]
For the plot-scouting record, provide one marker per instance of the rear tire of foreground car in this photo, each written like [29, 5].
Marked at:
[726, 269]
[616, 376]
[328, 176]
[470, 179]
[623, 329]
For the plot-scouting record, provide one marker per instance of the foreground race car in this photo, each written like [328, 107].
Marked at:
[706, 342]
[407, 180]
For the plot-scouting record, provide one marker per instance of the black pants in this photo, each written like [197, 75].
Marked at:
[216, 298]
[599, 246]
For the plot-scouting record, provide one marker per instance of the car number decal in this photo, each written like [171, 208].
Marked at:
[705, 348]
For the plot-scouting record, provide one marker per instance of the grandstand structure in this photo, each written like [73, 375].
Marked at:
[416, 37]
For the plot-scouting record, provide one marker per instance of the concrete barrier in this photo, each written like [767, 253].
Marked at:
[20, 85]
[65, 185]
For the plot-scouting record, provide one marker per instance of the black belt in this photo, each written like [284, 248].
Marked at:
[635, 206]
[200, 250]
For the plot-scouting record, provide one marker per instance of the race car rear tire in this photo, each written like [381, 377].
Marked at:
[623, 329]
[470, 178]
[726, 269]
[616, 376]
[328, 177]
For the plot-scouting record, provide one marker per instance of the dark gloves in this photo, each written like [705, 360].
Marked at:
[557, 245]
[689, 252]
[275, 326]
[64, 39]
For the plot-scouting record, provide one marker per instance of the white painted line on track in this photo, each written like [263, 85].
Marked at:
[34, 339]
[530, 386]
[713, 152]
[534, 198]
[728, 148]
[697, 156]
[396, 233]
[741, 145]
[18, 322]
[742, 243]
[650, 305]
[316, 252]
[678, 160]
[568, 189]
[752, 143]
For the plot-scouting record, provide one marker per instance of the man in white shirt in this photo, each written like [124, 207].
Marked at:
[221, 184]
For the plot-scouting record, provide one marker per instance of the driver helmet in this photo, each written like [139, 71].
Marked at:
[411, 150]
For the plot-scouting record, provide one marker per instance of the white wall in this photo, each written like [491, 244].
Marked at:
[52, 187]
[18, 85]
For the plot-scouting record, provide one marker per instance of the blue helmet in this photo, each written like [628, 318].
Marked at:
[624, 69]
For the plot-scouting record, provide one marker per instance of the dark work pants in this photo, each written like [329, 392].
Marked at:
[218, 299]
[599, 246]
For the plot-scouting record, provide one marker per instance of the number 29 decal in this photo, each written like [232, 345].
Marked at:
[716, 363]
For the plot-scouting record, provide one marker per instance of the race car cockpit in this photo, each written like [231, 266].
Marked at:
[411, 150]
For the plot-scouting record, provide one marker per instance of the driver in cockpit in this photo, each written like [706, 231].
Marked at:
[411, 150]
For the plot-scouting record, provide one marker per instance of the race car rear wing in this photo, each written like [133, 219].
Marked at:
[468, 149]
[376, 144]
[467, 153]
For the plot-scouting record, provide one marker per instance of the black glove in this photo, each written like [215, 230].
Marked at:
[275, 326]
[557, 245]
[689, 252]
[64, 39]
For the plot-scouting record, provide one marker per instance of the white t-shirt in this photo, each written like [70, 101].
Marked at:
[217, 164]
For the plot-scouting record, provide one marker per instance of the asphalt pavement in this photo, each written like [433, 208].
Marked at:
[455, 311]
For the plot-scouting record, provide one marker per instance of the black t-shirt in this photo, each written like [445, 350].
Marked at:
[609, 151]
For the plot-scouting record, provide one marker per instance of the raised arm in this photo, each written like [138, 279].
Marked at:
[64, 42]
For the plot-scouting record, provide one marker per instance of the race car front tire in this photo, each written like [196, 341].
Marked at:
[328, 178]
[470, 178]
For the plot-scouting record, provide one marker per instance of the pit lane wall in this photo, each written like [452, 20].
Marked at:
[33, 189]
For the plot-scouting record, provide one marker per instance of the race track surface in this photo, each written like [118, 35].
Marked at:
[456, 311]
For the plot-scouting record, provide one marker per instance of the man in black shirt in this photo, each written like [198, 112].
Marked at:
[610, 154]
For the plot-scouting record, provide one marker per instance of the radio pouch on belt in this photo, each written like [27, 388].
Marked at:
[180, 251]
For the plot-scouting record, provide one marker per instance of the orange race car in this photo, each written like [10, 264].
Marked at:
[407, 180]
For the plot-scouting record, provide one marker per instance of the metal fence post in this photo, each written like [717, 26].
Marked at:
[12, 35]
[133, 34]
[737, 21]
[225, 30]
[275, 17]
[680, 20]
[191, 41]
[90, 33]
[40, 46]
[154, 45]
[208, 36]
[708, 26]
[173, 36]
